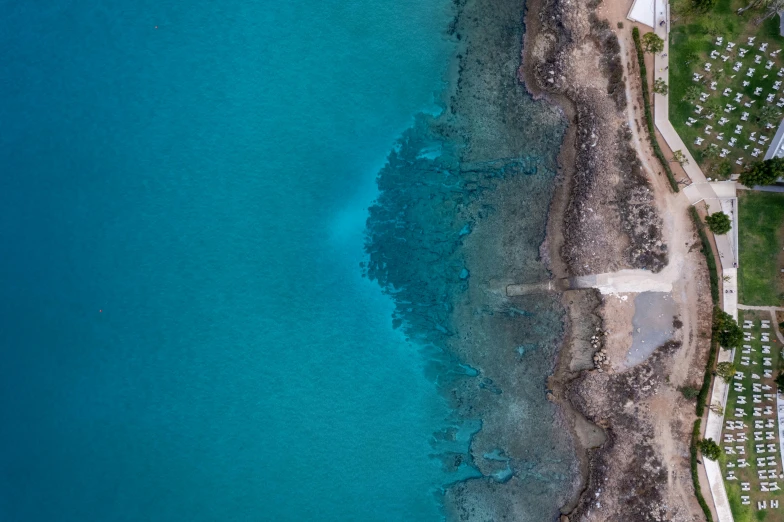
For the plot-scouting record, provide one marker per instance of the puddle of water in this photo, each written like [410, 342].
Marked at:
[652, 325]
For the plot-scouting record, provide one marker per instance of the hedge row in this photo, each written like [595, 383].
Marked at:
[695, 437]
[708, 253]
[646, 98]
[706, 250]
[707, 377]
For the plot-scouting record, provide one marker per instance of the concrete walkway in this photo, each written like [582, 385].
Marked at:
[701, 190]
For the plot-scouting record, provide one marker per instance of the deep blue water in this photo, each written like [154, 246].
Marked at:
[184, 330]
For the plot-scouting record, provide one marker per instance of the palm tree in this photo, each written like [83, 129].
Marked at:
[769, 114]
[713, 107]
[772, 9]
[692, 93]
[752, 5]
[712, 152]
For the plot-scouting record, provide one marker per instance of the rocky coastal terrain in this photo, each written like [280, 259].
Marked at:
[612, 210]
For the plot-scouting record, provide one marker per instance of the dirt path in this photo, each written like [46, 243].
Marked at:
[684, 275]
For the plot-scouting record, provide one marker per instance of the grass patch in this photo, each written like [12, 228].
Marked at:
[692, 38]
[761, 231]
[646, 98]
[749, 474]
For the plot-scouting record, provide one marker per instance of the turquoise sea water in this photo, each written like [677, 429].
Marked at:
[189, 208]
[186, 334]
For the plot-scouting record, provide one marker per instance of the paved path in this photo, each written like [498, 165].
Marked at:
[701, 190]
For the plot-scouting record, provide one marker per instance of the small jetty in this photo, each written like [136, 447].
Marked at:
[544, 287]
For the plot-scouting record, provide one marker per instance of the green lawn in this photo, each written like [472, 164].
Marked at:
[761, 230]
[692, 38]
[747, 513]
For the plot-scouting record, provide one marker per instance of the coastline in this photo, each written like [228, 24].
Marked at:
[590, 378]
[475, 216]
[580, 309]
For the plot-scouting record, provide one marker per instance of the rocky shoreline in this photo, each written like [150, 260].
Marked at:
[604, 218]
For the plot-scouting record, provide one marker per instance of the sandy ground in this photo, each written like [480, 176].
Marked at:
[689, 291]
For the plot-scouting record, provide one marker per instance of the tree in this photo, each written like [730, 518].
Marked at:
[692, 93]
[661, 87]
[780, 382]
[712, 152]
[769, 115]
[710, 450]
[652, 43]
[725, 370]
[680, 157]
[772, 8]
[727, 332]
[719, 223]
[722, 169]
[713, 108]
[762, 172]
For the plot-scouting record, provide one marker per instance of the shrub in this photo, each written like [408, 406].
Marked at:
[706, 250]
[719, 223]
[709, 449]
[707, 377]
[690, 392]
[710, 260]
[661, 87]
[620, 25]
